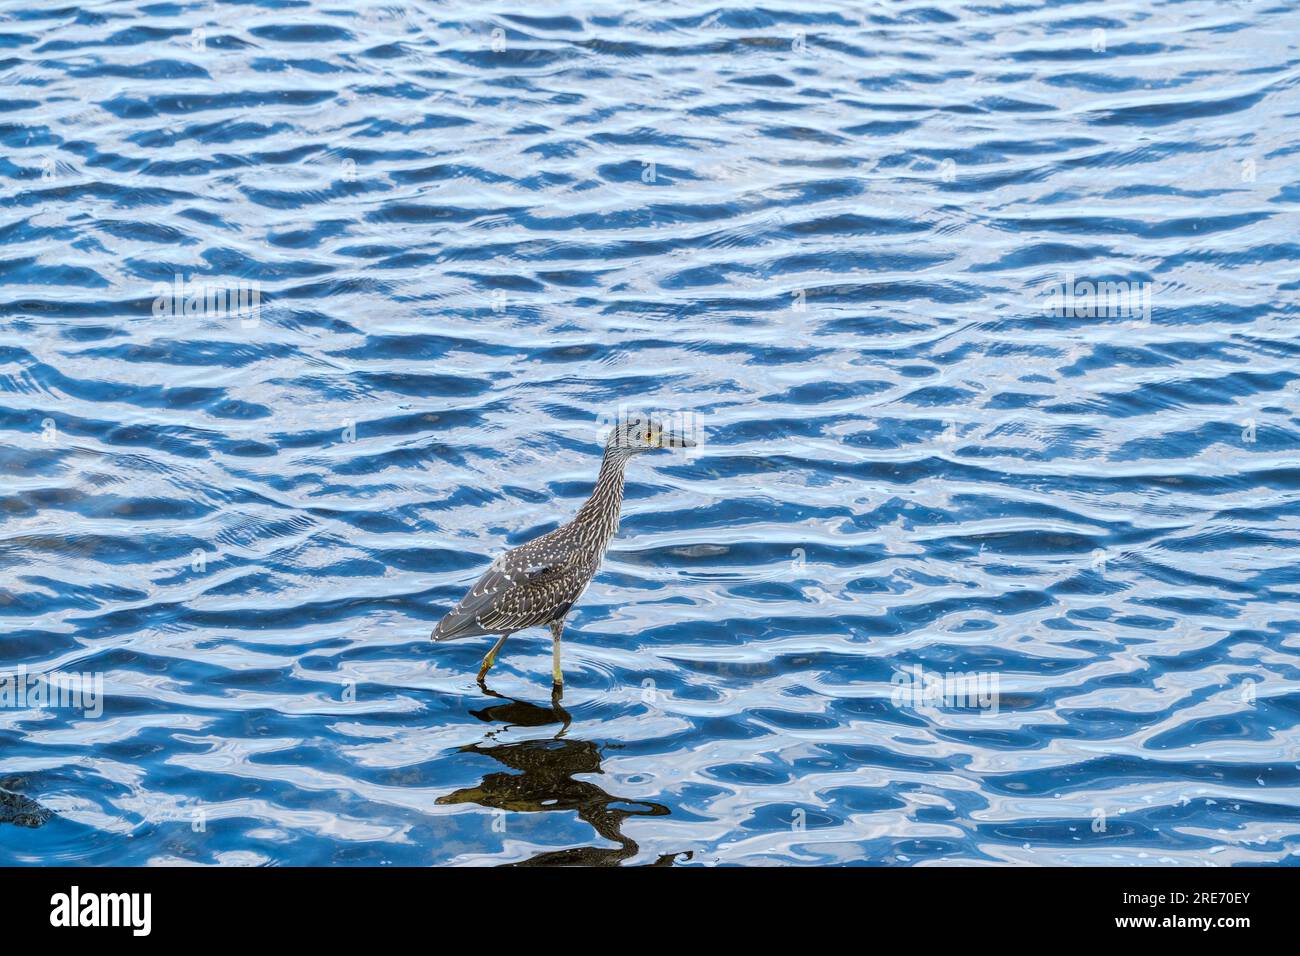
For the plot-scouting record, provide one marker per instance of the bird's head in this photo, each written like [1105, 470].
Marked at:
[637, 433]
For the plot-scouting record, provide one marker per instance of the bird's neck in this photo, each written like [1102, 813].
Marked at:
[600, 513]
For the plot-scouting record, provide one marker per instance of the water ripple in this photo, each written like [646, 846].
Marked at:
[842, 237]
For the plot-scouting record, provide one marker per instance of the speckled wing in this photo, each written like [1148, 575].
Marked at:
[520, 589]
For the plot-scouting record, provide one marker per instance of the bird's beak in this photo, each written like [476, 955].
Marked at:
[673, 440]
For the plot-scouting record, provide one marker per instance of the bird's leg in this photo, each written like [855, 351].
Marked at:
[557, 675]
[491, 658]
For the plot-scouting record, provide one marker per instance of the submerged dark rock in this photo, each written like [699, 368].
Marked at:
[22, 811]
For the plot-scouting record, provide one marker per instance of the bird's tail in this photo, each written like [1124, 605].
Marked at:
[455, 625]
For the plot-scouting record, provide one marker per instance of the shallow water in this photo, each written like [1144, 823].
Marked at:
[832, 231]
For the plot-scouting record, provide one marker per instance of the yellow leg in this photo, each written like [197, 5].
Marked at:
[557, 675]
[491, 658]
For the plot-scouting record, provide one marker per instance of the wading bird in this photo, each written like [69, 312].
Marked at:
[538, 582]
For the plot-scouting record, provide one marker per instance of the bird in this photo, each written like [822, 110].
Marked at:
[538, 582]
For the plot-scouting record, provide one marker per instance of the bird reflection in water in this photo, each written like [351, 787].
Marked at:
[543, 781]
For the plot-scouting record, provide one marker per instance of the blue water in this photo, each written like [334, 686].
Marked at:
[832, 232]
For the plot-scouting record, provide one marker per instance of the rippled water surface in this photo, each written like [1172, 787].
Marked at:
[831, 230]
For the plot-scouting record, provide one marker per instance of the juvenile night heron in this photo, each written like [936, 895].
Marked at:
[539, 581]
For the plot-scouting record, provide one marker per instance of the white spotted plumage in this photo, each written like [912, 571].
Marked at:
[537, 582]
